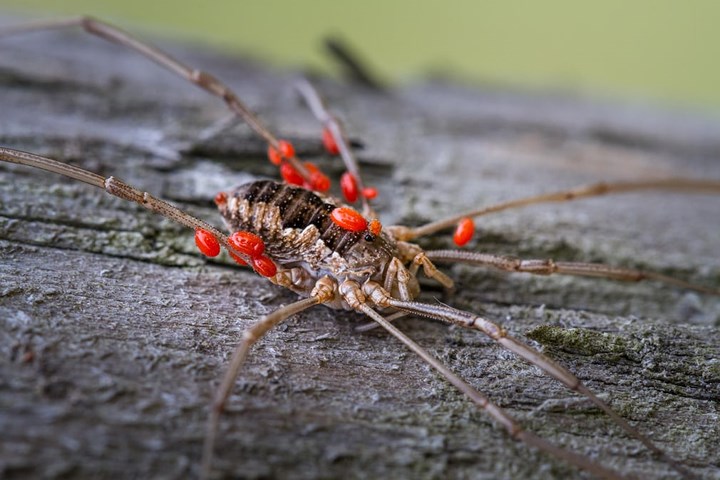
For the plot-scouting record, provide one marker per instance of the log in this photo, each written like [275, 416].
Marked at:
[115, 332]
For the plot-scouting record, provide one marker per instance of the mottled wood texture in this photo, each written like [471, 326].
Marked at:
[114, 332]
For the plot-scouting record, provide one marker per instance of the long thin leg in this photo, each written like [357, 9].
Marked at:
[549, 266]
[198, 77]
[328, 120]
[116, 187]
[469, 320]
[249, 337]
[372, 325]
[356, 299]
[594, 190]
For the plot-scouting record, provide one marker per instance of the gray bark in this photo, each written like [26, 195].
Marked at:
[115, 332]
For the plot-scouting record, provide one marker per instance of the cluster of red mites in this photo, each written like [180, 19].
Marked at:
[345, 217]
[348, 182]
[244, 242]
[285, 151]
[318, 182]
[252, 246]
[349, 187]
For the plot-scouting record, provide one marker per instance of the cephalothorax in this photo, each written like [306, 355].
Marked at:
[333, 255]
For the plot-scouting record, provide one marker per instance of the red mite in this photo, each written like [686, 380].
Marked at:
[319, 181]
[290, 175]
[348, 219]
[207, 243]
[349, 187]
[329, 142]
[370, 192]
[285, 150]
[247, 243]
[221, 198]
[274, 156]
[253, 246]
[264, 266]
[375, 227]
[464, 231]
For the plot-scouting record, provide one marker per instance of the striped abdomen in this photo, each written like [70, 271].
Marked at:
[269, 208]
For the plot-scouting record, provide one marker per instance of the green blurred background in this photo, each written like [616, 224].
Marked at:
[658, 51]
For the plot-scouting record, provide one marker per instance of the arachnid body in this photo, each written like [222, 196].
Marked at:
[307, 408]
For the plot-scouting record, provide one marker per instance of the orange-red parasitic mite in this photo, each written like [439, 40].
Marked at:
[221, 198]
[329, 142]
[348, 219]
[370, 192]
[464, 231]
[319, 181]
[264, 266]
[207, 243]
[349, 187]
[274, 156]
[375, 227]
[287, 150]
[290, 175]
[247, 243]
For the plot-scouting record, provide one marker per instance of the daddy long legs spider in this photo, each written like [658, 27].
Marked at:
[152, 151]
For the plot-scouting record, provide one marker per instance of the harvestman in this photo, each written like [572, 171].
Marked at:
[388, 286]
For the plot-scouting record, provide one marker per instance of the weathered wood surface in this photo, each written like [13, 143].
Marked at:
[114, 332]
